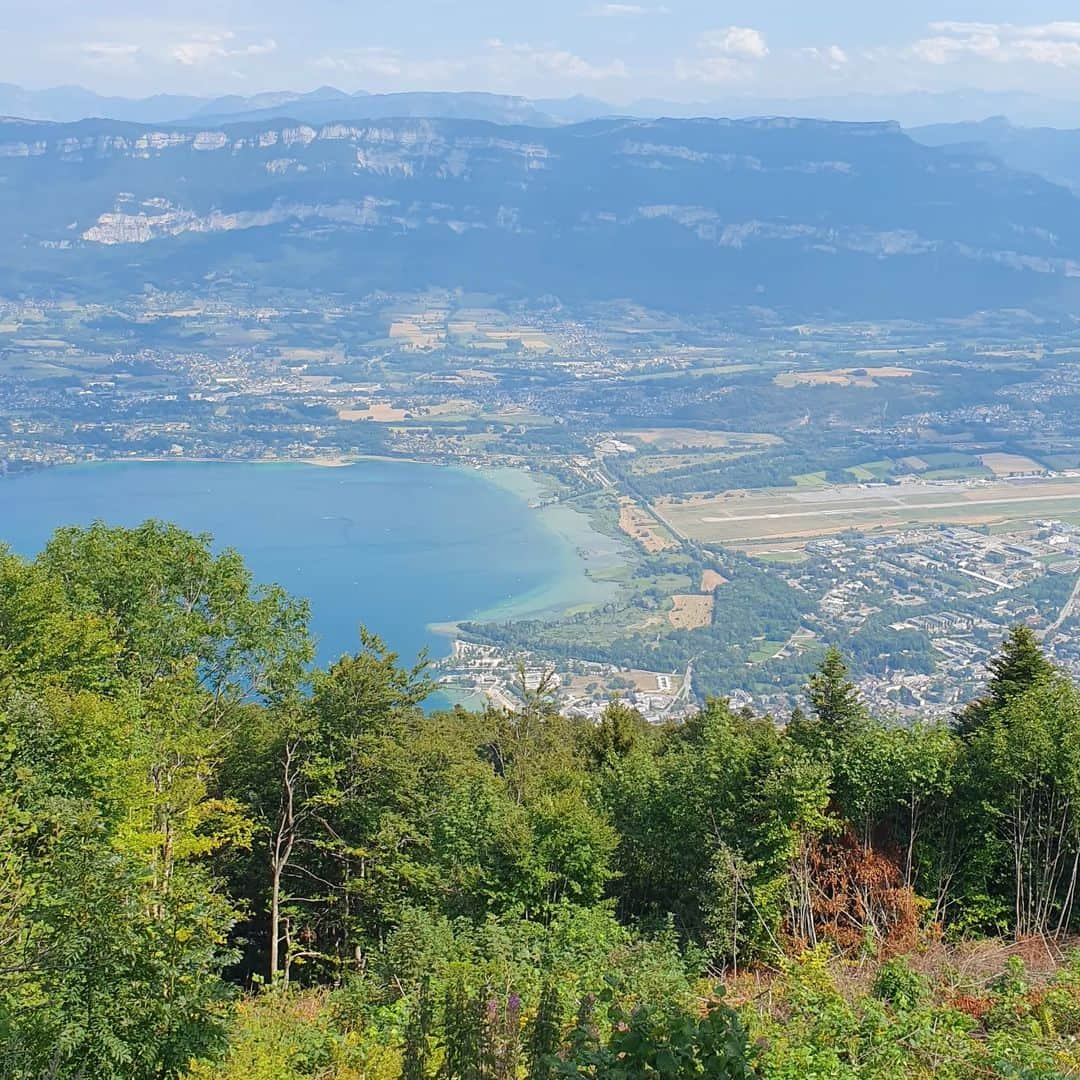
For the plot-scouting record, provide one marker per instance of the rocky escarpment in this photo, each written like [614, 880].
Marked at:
[661, 208]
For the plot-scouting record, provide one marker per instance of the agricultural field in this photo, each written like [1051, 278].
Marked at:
[641, 527]
[736, 518]
[711, 581]
[810, 480]
[674, 438]
[380, 414]
[690, 611]
[300, 355]
[864, 377]
[652, 463]
[1010, 464]
[871, 470]
[765, 650]
[421, 332]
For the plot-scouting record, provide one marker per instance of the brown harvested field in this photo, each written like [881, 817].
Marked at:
[805, 513]
[640, 525]
[450, 407]
[381, 414]
[415, 335]
[476, 374]
[532, 340]
[711, 580]
[1010, 464]
[865, 377]
[695, 438]
[691, 610]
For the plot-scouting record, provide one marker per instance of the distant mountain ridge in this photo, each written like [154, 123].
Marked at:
[66, 104]
[1053, 153]
[69, 104]
[494, 108]
[801, 216]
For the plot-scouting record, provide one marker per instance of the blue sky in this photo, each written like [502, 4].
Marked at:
[686, 50]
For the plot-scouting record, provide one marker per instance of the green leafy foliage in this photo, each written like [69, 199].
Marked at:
[650, 1041]
[188, 813]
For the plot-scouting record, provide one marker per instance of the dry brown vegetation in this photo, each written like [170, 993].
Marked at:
[711, 580]
[1010, 464]
[419, 333]
[639, 525]
[381, 414]
[844, 888]
[690, 611]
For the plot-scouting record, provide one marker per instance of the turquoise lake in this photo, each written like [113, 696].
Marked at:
[397, 546]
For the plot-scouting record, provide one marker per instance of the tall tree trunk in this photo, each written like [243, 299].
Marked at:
[284, 840]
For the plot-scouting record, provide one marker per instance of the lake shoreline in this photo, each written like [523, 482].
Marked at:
[595, 553]
[579, 556]
[325, 461]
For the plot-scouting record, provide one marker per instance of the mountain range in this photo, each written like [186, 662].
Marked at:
[65, 104]
[1053, 153]
[801, 216]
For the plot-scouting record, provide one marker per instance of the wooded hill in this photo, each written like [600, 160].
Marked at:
[216, 861]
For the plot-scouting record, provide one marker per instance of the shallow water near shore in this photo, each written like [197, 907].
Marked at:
[404, 548]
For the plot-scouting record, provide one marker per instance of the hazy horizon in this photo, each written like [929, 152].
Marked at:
[616, 51]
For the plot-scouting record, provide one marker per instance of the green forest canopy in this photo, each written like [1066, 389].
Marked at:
[216, 861]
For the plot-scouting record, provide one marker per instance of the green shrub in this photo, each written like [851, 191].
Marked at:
[898, 985]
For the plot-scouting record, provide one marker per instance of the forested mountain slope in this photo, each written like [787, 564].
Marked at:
[803, 216]
[1053, 153]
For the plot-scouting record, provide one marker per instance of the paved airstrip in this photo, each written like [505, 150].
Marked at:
[735, 517]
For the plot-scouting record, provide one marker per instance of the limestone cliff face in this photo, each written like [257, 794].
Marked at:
[745, 209]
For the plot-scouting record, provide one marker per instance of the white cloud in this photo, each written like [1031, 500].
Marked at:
[1055, 44]
[373, 61]
[708, 69]
[1068, 31]
[109, 52]
[832, 57]
[723, 55]
[954, 26]
[567, 65]
[616, 11]
[1056, 53]
[959, 40]
[560, 63]
[259, 48]
[503, 64]
[207, 47]
[739, 42]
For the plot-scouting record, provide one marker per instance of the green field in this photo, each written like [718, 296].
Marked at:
[871, 470]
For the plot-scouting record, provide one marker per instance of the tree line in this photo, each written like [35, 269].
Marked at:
[202, 836]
